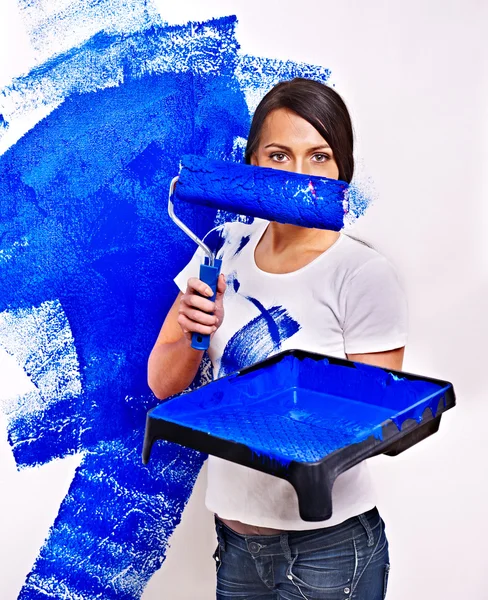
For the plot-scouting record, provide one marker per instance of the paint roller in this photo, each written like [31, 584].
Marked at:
[270, 194]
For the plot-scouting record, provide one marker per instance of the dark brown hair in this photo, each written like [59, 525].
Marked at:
[318, 104]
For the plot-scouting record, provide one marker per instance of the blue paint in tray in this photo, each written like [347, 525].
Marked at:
[302, 409]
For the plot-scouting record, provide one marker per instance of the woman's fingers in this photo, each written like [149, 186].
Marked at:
[197, 302]
[192, 326]
[221, 284]
[200, 317]
[198, 314]
[198, 286]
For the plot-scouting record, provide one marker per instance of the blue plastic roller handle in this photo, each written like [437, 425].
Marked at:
[210, 276]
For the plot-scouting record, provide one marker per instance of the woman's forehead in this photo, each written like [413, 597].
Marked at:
[285, 126]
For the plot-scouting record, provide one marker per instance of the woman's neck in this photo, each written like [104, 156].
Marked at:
[280, 238]
[287, 248]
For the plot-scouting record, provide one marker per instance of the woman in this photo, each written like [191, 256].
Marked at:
[323, 292]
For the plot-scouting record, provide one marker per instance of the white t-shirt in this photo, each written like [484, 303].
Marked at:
[346, 301]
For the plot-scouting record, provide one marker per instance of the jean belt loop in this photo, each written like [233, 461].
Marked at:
[220, 534]
[285, 546]
[363, 519]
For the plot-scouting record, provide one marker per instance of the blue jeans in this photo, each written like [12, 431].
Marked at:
[343, 562]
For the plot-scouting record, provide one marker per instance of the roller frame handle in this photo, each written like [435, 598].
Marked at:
[209, 275]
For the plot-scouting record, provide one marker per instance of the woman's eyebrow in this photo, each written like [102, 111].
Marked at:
[314, 149]
[321, 147]
[280, 146]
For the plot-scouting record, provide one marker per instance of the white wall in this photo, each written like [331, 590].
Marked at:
[414, 77]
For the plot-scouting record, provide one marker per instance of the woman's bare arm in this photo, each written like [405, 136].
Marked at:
[173, 363]
[391, 359]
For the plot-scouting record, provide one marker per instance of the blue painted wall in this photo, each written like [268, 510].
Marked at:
[88, 255]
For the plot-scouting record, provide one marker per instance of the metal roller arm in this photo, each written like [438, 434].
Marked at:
[183, 227]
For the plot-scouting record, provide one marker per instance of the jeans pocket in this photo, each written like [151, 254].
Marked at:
[385, 580]
[327, 569]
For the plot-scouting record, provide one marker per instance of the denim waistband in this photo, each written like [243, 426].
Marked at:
[303, 541]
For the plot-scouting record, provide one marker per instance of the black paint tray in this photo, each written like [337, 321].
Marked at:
[305, 418]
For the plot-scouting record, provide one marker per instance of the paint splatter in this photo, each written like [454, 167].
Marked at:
[258, 75]
[88, 253]
[233, 284]
[258, 339]
[54, 27]
[243, 243]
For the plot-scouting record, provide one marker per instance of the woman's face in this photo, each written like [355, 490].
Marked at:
[290, 143]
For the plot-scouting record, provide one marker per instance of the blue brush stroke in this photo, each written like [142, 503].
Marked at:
[232, 282]
[113, 526]
[99, 236]
[258, 339]
[275, 333]
[86, 189]
[242, 244]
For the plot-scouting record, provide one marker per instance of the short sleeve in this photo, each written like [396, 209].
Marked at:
[192, 269]
[215, 240]
[376, 314]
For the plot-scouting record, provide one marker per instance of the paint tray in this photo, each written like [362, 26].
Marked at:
[305, 418]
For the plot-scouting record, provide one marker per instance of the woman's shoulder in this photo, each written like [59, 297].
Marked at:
[358, 256]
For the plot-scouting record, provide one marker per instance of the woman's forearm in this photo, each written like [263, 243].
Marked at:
[172, 367]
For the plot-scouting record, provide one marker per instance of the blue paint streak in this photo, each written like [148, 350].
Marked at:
[273, 330]
[258, 339]
[302, 410]
[232, 282]
[86, 189]
[113, 526]
[263, 73]
[271, 194]
[99, 237]
[243, 243]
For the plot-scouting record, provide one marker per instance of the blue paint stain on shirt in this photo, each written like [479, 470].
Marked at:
[258, 339]
[242, 244]
[273, 331]
[233, 284]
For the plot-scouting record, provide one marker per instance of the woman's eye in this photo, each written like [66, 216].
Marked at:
[321, 157]
[278, 156]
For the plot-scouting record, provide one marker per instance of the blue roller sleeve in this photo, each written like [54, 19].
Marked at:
[210, 276]
[271, 194]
